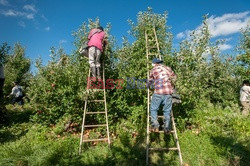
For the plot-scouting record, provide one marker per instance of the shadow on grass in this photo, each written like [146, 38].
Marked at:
[129, 151]
[235, 152]
[16, 125]
[8, 136]
[18, 115]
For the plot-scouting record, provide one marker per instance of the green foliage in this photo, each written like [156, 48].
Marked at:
[203, 72]
[58, 89]
[244, 57]
[218, 131]
[215, 136]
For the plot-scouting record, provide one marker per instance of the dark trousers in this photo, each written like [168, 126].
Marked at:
[18, 100]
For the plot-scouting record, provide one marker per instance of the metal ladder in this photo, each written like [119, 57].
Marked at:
[86, 112]
[153, 50]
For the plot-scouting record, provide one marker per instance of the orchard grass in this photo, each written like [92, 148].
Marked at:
[217, 137]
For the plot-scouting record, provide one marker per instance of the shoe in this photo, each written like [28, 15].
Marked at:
[167, 131]
[154, 129]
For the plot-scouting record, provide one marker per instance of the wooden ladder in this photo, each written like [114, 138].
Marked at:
[86, 112]
[153, 50]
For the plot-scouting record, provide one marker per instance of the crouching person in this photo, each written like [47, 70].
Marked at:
[17, 94]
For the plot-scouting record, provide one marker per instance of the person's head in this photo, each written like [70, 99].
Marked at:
[246, 82]
[15, 83]
[100, 27]
[156, 61]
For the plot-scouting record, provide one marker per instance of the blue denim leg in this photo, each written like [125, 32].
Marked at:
[155, 104]
[167, 108]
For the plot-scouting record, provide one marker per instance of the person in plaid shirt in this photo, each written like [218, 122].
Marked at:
[161, 76]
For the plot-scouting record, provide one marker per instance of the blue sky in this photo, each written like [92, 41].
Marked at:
[41, 24]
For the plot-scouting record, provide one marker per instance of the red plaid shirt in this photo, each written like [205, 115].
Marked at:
[160, 75]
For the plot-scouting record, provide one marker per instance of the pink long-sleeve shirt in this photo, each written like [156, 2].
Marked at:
[96, 39]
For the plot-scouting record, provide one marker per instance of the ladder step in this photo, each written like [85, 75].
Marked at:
[96, 90]
[99, 125]
[95, 140]
[96, 100]
[152, 54]
[158, 116]
[162, 149]
[95, 112]
[161, 131]
[150, 47]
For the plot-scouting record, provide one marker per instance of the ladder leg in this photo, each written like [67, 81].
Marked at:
[148, 100]
[157, 44]
[176, 138]
[83, 119]
[148, 134]
[106, 112]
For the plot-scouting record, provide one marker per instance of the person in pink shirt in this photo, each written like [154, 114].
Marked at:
[96, 44]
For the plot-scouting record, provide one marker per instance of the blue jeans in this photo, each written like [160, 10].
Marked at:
[157, 101]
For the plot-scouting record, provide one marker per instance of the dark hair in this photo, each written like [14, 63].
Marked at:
[100, 27]
[246, 82]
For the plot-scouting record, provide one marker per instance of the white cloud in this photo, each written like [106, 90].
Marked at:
[29, 16]
[30, 8]
[223, 47]
[9, 13]
[44, 18]
[228, 23]
[4, 2]
[14, 13]
[180, 35]
[21, 24]
[228, 39]
[62, 41]
[224, 25]
[47, 29]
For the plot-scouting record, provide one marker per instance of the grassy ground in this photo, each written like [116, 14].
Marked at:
[214, 137]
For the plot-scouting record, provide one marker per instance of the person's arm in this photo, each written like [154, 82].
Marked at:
[248, 89]
[171, 74]
[12, 92]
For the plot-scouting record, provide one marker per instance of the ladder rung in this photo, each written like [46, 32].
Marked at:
[96, 90]
[151, 54]
[94, 140]
[95, 112]
[152, 47]
[96, 100]
[161, 131]
[99, 125]
[158, 116]
[162, 149]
